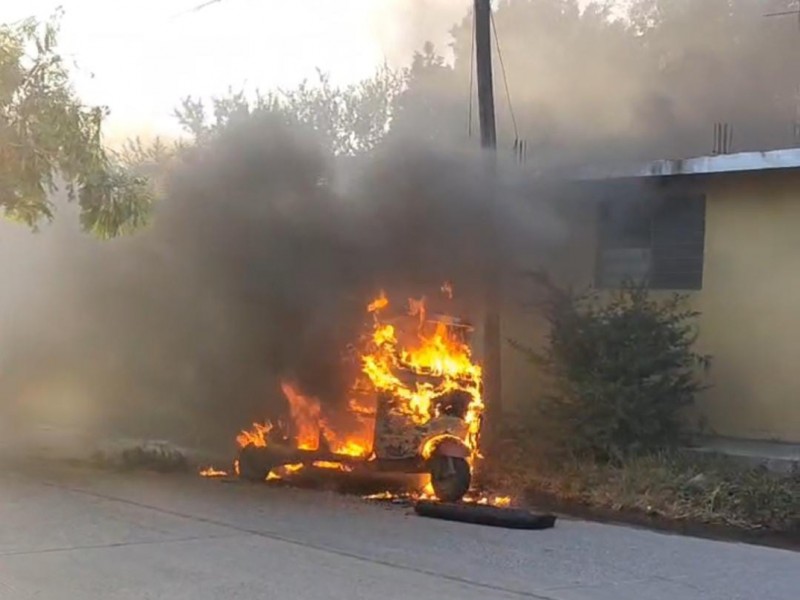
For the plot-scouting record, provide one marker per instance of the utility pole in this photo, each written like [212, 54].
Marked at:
[483, 61]
[491, 325]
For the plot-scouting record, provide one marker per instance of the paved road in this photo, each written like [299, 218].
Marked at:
[69, 533]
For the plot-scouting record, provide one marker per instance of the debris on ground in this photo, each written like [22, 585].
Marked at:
[153, 455]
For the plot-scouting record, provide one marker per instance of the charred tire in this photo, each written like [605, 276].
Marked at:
[450, 477]
[492, 516]
[253, 464]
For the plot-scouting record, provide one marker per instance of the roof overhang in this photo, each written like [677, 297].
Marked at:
[702, 165]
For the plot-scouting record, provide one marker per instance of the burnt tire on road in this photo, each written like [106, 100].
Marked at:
[478, 514]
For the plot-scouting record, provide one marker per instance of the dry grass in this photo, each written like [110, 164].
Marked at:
[676, 486]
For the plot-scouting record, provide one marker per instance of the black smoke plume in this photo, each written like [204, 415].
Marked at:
[258, 267]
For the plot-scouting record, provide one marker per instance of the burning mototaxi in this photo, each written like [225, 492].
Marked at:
[417, 402]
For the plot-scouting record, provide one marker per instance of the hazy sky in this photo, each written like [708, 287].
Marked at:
[146, 54]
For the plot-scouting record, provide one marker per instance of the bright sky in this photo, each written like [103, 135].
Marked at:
[147, 54]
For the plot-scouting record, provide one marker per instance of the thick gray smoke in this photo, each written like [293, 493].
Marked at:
[265, 249]
[586, 87]
[258, 267]
[403, 27]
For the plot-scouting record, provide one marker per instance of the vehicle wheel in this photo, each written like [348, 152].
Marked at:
[252, 464]
[450, 477]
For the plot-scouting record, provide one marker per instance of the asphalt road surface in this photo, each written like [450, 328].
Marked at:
[72, 533]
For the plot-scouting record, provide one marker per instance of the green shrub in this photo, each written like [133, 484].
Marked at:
[621, 368]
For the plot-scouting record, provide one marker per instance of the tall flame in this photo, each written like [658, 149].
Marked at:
[417, 368]
[306, 414]
[440, 356]
[310, 426]
[257, 436]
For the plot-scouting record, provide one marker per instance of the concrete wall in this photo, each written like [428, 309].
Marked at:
[750, 304]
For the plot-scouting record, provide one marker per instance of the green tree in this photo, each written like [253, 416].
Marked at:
[350, 120]
[422, 111]
[49, 137]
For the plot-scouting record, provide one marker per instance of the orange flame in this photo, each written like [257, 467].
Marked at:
[351, 447]
[417, 367]
[379, 303]
[483, 500]
[212, 472]
[427, 494]
[442, 359]
[306, 414]
[284, 471]
[257, 436]
[309, 426]
[328, 464]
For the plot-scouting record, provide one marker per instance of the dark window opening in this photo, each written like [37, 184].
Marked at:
[660, 243]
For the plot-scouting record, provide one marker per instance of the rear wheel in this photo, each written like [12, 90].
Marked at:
[450, 477]
[254, 465]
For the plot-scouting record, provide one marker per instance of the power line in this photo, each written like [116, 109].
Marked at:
[787, 13]
[783, 13]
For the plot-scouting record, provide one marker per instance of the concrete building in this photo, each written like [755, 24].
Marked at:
[725, 230]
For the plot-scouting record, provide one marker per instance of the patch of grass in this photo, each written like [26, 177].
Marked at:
[678, 486]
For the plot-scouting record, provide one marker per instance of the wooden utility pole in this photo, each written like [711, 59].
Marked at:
[483, 61]
[491, 325]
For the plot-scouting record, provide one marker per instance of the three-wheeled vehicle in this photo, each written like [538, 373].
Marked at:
[442, 445]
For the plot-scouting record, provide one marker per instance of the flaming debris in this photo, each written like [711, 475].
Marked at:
[329, 464]
[379, 303]
[410, 497]
[257, 436]
[284, 471]
[381, 496]
[212, 472]
[499, 501]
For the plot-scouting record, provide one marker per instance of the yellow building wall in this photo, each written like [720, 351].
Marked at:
[523, 382]
[750, 305]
